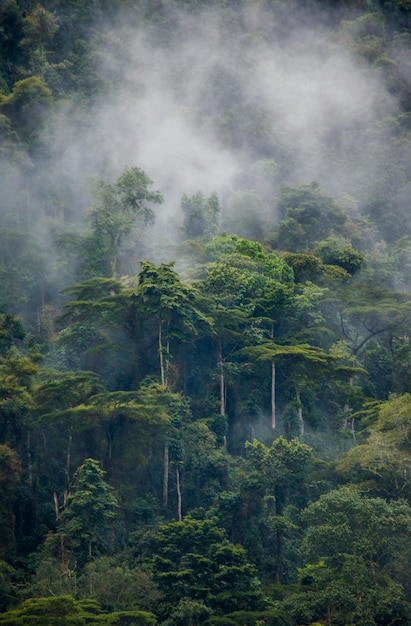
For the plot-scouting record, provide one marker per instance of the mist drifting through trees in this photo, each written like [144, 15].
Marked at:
[205, 309]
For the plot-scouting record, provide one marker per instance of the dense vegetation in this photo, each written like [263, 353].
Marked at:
[205, 353]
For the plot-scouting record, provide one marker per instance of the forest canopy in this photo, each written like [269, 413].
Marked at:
[205, 312]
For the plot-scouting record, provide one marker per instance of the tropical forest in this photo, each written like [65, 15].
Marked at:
[205, 312]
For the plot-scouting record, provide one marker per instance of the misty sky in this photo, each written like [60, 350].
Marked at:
[230, 102]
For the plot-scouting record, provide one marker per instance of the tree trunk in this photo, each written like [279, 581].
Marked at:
[68, 459]
[299, 411]
[56, 505]
[179, 501]
[167, 365]
[165, 477]
[160, 354]
[273, 414]
[220, 364]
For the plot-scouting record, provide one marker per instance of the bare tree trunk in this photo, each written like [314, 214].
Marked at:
[165, 477]
[273, 413]
[346, 409]
[161, 356]
[222, 381]
[179, 501]
[299, 410]
[68, 458]
[167, 364]
[56, 505]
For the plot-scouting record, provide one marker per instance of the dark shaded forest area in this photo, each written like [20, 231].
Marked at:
[205, 309]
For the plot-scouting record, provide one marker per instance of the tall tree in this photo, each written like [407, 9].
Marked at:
[87, 523]
[116, 209]
[175, 307]
[201, 215]
[357, 546]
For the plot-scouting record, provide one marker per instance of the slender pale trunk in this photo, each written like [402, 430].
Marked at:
[346, 411]
[220, 364]
[273, 414]
[179, 501]
[68, 458]
[166, 448]
[299, 410]
[56, 505]
[160, 354]
[165, 477]
[167, 364]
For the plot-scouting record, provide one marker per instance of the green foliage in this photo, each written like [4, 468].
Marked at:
[7, 583]
[11, 53]
[356, 545]
[28, 107]
[273, 617]
[117, 587]
[87, 522]
[170, 383]
[382, 460]
[309, 215]
[201, 215]
[10, 470]
[65, 611]
[57, 611]
[112, 218]
[335, 252]
[188, 613]
[21, 273]
[195, 560]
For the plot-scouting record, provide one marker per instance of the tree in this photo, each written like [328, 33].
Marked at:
[10, 471]
[381, 462]
[193, 559]
[245, 286]
[302, 361]
[55, 396]
[22, 274]
[18, 365]
[118, 587]
[308, 215]
[201, 215]
[28, 107]
[175, 307]
[335, 251]
[87, 522]
[116, 209]
[203, 465]
[260, 513]
[363, 312]
[12, 55]
[65, 611]
[356, 545]
[39, 27]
